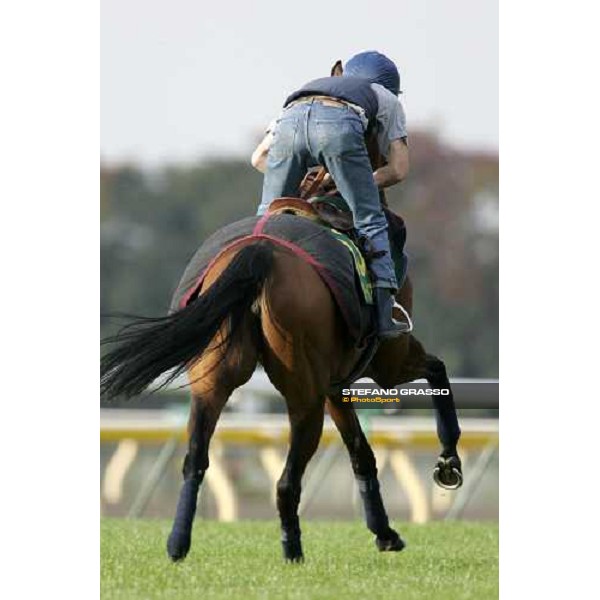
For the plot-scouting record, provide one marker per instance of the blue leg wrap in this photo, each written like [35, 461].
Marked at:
[180, 539]
[375, 515]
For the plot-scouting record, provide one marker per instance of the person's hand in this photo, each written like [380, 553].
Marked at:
[327, 184]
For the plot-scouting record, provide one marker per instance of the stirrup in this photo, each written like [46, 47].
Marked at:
[401, 328]
[397, 304]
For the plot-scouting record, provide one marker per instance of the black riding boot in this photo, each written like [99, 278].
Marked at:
[387, 327]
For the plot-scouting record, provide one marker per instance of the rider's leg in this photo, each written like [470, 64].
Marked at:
[286, 161]
[337, 135]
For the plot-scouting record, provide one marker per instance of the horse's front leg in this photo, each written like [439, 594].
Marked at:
[448, 470]
[365, 472]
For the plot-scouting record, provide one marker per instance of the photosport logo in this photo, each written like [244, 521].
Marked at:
[387, 396]
[474, 394]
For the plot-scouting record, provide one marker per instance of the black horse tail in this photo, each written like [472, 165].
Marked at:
[149, 347]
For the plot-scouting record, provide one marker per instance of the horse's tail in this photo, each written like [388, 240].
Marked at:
[149, 347]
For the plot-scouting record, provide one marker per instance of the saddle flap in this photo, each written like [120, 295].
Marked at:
[331, 214]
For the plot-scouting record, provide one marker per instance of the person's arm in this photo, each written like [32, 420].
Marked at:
[391, 138]
[259, 156]
[397, 166]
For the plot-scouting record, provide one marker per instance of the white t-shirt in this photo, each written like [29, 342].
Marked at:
[391, 120]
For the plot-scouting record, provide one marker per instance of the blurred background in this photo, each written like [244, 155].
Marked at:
[186, 94]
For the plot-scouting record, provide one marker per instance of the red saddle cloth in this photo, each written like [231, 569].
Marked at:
[306, 238]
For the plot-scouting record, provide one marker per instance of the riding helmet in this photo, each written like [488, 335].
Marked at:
[375, 67]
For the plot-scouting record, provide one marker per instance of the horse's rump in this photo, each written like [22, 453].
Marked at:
[308, 240]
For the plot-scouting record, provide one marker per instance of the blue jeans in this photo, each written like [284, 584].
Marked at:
[313, 134]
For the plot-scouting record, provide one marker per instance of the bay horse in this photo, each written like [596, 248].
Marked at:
[260, 302]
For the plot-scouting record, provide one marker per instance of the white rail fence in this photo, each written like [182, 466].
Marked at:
[394, 440]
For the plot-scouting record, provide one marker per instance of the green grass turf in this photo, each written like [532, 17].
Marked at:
[243, 561]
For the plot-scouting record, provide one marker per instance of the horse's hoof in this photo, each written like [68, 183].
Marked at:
[448, 473]
[178, 546]
[392, 544]
[292, 551]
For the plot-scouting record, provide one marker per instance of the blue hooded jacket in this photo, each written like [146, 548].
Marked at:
[375, 67]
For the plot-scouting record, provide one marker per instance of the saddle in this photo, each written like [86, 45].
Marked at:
[316, 209]
[346, 236]
[320, 201]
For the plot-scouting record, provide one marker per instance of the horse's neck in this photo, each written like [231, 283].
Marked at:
[377, 159]
[375, 156]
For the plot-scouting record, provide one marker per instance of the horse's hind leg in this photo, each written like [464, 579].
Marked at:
[303, 389]
[306, 429]
[365, 472]
[298, 318]
[213, 378]
[204, 412]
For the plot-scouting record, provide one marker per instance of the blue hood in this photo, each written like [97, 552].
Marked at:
[375, 67]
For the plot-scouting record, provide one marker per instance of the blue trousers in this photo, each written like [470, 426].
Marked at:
[313, 134]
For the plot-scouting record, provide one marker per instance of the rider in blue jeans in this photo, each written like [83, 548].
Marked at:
[324, 123]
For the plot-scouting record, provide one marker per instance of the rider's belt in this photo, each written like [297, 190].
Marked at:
[330, 101]
[325, 100]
